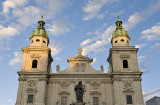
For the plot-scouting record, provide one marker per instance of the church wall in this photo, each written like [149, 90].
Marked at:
[59, 87]
[125, 54]
[39, 54]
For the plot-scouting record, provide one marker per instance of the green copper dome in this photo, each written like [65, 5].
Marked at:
[40, 31]
[119, 30]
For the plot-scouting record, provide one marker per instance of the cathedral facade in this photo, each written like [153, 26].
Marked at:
[121, 85]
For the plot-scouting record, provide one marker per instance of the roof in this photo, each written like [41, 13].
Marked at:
[40, 31]
[119, 31]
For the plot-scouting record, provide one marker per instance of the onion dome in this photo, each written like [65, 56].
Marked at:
[40, 31]
[119, 31]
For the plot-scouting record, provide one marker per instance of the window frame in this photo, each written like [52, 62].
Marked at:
[34, 64]
[65, 103]
[28, 99]
[127, 101]
[125, 64]
[97, 103]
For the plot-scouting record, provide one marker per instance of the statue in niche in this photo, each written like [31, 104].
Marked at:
[79, 92]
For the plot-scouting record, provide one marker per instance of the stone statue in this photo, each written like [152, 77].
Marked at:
[101, 68]
[79, 92]
[57, 67]
[80, 51]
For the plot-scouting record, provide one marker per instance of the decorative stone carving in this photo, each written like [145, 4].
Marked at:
[80, 66]
[137, 79]
[124, 56]
[32, 83]
[106, 81]
[50, 81]
[95, 84]
[83, 67]
[31, 90]
[64, 93]
[77, 67]
[56, 82]
[72, 81]
[35, 56]
[95, 93]
[127, 85]
[64, 85]
[117, 79]
[43, 79]
[128, 91]
[22, 78]
[87, 82]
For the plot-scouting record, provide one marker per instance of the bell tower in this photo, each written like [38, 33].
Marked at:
[123, 57]
[123, 67]
[36, 66]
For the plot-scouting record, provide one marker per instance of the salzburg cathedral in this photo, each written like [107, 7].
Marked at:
[79, 84]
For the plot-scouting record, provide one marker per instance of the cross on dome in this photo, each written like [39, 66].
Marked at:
[41, 17]
[118, 15]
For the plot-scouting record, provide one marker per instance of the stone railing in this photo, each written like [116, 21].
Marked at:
[123, 46]
[36, 46]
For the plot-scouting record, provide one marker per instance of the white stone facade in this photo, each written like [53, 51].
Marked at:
[46, 88]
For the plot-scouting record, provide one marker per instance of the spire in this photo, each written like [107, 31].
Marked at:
[41, 23]
[118, 16]
[42, 17]
[118, 23]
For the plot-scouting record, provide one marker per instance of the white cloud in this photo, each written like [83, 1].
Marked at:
[55, 48]
[157, 45]
[93, 8]
[87, 41]
[58, 59]
[100, 16]
[100, 41]
[6, 32]
[133, 21]
[140, 45]
[1, 58]
[29, 14]
[153, 33]
[149, 94]
[142, 62]
[137, 17]
[140, 57]
[58, 27]
[17, 58]
[26, 16]
[11, 4]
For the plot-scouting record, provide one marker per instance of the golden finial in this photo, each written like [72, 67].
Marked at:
[42, 16]
[80, 51]
[118, 15]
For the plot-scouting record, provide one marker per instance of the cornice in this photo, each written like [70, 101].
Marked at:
[80, 76]
[32, 73]
[126, 73]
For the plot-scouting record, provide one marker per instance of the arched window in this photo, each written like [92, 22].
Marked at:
[34, 63]
[125, 64]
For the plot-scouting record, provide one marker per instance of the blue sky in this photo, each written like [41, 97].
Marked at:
[74, 24]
